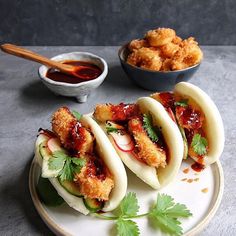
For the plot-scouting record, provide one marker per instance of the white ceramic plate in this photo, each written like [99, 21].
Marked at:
[64, 220]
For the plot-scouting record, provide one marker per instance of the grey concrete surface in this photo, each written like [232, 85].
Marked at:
[113, 22]
[26, 104]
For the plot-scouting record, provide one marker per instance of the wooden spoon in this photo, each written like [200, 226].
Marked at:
[29, 55]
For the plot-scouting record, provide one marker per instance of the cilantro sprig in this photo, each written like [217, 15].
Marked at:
[67, 165]
[111, 129]
[199, 144]
[149, 127]
[77, 115]
[182, 103]
[163, 214]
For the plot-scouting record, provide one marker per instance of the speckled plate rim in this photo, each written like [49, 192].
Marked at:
[60, 231]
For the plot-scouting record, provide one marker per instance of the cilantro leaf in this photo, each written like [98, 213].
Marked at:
[165, 212]
[66, 165]
[163, 215]
[178, 210]
[79, 162]
[67, 173]
[166, 224]
[148, 126]
[199, 144]
[129, 205]
[163, 202]
[111, 129]
[182, 103]
[77, 115]
[127, 228]
[57, 161]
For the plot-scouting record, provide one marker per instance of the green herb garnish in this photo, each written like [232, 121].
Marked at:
[127, 228]
[182, 103]
[199, 144]
[163, 215]
[129, 205]
[148, 126]
[68, 165]
[111, 129]
[77, 115]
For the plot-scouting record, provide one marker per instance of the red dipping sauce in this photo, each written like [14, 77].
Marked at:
[84, 70]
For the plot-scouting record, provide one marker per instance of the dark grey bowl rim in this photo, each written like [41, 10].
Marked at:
[125, 46]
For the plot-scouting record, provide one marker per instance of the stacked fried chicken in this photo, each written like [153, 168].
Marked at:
[162, 50]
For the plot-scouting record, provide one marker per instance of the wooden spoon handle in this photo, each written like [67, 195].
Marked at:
[24, 53]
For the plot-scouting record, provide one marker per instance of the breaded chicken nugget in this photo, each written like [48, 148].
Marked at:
[94, 179]
[148, 151]
[168, 50]
[148, 58]
[188, 55]
[160, 36]
[177, 40]
[62, 123]
[70, 132]
[137, 44]
[166, 65]
[120, 112]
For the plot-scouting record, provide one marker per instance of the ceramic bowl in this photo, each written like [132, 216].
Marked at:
[154, 80]
[81, 90]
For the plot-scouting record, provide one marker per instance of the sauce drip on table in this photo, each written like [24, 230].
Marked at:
[197, 167]
[84, 70]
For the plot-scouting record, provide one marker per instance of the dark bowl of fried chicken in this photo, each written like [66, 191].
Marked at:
[160, 60]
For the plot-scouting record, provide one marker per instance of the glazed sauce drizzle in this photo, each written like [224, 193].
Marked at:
[122, 111]
[167, 99]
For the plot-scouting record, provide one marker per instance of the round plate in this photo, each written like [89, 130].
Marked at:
[201, 192]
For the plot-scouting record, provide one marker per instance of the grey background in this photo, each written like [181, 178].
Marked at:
[113, 22]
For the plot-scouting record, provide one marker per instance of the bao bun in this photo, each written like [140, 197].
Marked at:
[110, 158]
[156, 178]
[213, 126]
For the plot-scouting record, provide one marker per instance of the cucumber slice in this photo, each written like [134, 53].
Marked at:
[46, 154]
[47, 193]
[93, 204]
[71, 187]
[44, 151]
[185, 142]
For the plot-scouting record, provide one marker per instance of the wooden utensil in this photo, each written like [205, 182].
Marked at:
[29, 55]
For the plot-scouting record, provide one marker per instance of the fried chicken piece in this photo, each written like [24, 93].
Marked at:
[189, 118]
[177, 40]
[94, 180]
[137, 44]
[133, 58]
[165, 98]
[148, 58]
[148, 151]
[70, 132]
[188, 55]
[120, 112]
[160, 36]
[166, 65]
[168, 50]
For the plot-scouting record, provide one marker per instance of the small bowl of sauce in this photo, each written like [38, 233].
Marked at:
[91, 70]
